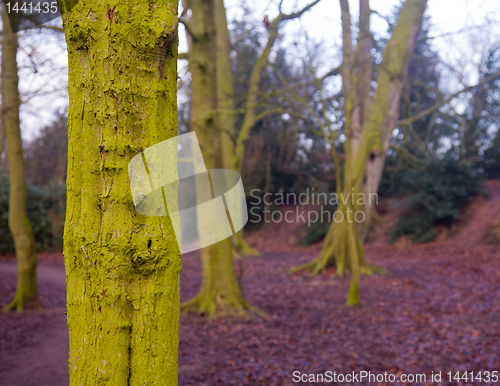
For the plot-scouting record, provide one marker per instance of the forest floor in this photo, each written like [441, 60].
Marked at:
[437, 309]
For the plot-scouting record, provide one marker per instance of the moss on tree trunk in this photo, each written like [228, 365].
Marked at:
[26, 292]
[220, 292]
[122, 268]
[225, 105]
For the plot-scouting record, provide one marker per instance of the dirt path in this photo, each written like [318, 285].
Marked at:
[34, 345]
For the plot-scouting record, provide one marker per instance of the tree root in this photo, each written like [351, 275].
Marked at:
[19, 303]
[205, 307]
[242, 249]
[317, 266]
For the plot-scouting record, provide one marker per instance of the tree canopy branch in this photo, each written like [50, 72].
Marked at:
[295, 15]
[430, 110]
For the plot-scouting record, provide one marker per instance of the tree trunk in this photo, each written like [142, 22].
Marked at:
[225, 105]
[220, 292]
[2, 135]
[241, 247]
[26, 293]
[122, 268]
[374, 138]
[62, 155]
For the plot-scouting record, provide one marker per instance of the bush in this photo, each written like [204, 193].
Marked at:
[489, 161]
[313, 233]
[41, 204]
[316, 231]
[436, 196]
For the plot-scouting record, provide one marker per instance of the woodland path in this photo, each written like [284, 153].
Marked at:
[34, 345]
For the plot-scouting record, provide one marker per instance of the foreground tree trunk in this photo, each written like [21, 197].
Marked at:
[122, 268]
[26, 292]
[220, 292]
[364, 153]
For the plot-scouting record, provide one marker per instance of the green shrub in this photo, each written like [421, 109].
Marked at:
[489, 161]
[435, 197]
[316, 231]
[41, 204]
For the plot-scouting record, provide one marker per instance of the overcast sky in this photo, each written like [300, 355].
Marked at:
[323, 22]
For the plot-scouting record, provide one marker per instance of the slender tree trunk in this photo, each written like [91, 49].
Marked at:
[26, 293]
[61, 161]
[122, 268]
[225, 104]
[224, 87]
[2, 133]
[373, 140]
[220, 292]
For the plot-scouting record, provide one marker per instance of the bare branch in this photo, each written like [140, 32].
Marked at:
[295, 15]
[430, 110]
[53, 28]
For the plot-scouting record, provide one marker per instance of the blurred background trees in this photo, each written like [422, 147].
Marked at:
[444, 145]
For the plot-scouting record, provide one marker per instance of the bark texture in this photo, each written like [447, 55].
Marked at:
[122, 268]
[26, 292]
[374, 120]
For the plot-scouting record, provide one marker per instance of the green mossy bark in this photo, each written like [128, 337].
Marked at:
[2, 137]
[122, 268]
[381, 118]
[241, 247]
[220, 293]
[225, 105]
[26, 296]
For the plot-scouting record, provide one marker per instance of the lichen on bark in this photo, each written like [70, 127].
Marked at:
[122, 268]
[220, 292]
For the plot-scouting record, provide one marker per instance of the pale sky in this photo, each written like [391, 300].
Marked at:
[461, 51]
